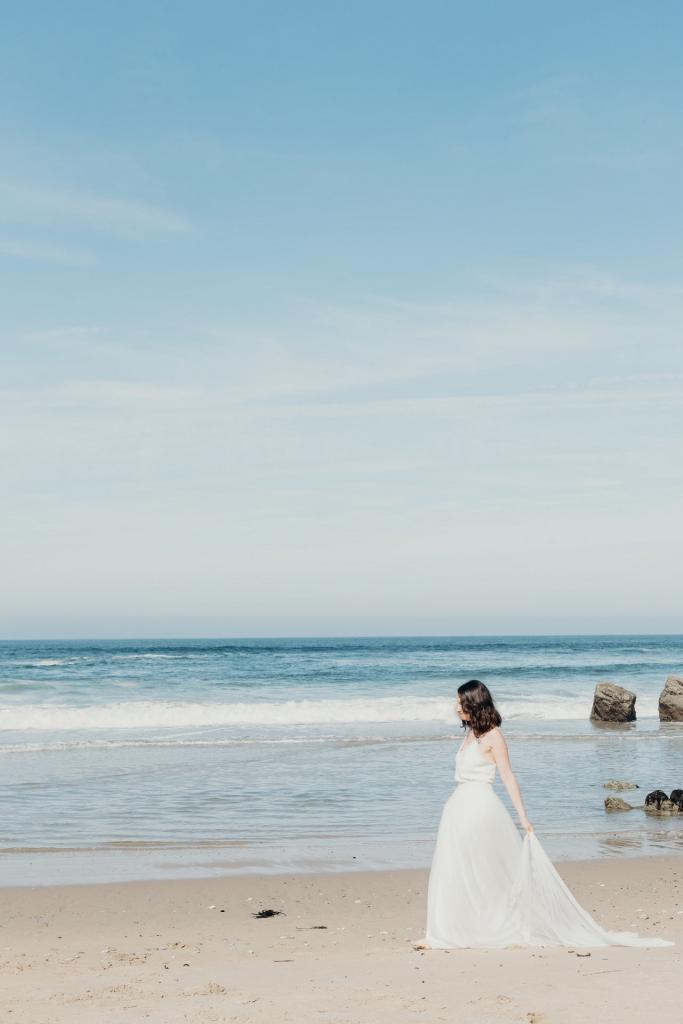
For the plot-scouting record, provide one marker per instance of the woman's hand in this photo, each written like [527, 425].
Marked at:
[527, 826]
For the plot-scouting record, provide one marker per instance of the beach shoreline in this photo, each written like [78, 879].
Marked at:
[339, 950]
[140, 861]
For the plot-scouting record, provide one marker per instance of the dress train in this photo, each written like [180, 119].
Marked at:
[489, 888]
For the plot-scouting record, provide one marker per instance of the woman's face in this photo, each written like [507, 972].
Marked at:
[459, 711]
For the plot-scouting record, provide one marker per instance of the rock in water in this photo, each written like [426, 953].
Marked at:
[657, 802]
[676, 799]
[615, 803]
[616, 784]
[612, 703]
[671, 700]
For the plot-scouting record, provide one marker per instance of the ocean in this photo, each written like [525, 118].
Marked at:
[163, 758]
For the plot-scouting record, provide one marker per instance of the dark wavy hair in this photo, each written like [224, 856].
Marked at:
[477, 702]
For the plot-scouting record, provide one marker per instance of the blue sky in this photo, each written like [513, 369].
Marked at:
[340, 318]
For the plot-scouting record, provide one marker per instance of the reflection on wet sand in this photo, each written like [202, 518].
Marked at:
[666, 840]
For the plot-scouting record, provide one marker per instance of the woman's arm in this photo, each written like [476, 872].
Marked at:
[499, 750]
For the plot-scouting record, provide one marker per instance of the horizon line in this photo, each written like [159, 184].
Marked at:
[327, 636]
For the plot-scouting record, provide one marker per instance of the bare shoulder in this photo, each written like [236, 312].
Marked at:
[495, 737]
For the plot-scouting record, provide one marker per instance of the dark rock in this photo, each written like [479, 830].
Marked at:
[658, 802]
[676, 799]
[612, 703]
[671, 700]
[267, 913]
[616, 784]
[615, 803]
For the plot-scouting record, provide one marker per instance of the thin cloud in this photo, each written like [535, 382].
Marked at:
[471, 403]
[620, 340]
[218, 403]
[93, 342]
[43, 252]
[46, 207]
[547, 102]
[101, 395]
[65, 335]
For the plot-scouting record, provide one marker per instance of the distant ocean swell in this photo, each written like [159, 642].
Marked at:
[575, 665]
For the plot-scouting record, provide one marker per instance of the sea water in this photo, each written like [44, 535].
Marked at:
[163, 758]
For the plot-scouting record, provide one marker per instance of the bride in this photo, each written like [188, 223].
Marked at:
[488, 887]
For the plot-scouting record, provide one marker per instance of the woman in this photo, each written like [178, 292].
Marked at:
[488, 887]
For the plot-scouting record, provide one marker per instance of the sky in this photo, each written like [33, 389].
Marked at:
[340, 319]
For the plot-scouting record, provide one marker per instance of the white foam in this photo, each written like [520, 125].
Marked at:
[563, 708]
[147, 657]
[39, 748]
[164, 714]
[43, 662]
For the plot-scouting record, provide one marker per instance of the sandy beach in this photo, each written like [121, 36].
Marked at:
[339, 951]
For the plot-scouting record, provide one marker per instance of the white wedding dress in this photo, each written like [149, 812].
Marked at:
[490, 888]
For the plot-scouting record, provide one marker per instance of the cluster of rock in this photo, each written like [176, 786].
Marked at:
[656, 802]
[613, 703]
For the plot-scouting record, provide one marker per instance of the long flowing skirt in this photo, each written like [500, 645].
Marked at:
[490, 888]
